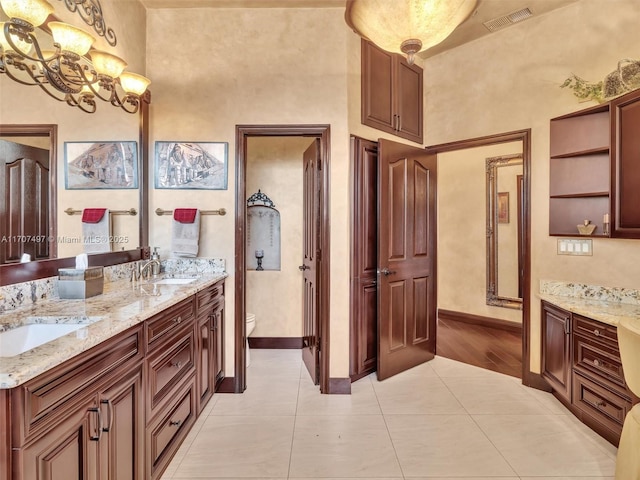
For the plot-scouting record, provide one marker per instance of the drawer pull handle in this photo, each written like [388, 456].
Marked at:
[596, 332]
[597, 362]
[177, 319]
[601, 403]
[177, 364]
[175, 423]
[96, 438]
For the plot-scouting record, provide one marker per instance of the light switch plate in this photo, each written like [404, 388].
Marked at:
[575, 246]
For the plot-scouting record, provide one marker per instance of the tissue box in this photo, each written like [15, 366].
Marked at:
[74, 283]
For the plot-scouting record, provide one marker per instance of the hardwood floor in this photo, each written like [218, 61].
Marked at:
[485, 347]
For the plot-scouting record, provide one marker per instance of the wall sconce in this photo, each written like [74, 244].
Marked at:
[64, 73]
[407, 26]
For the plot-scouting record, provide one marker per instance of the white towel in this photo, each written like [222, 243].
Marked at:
[97, 236]
[185, 238]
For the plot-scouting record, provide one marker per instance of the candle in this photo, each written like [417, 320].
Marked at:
[606, 218]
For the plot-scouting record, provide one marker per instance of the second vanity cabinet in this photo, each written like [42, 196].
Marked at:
[85, 419]
[120, 410]
[581, 362]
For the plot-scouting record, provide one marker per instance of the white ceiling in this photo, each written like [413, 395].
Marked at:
[468, 31]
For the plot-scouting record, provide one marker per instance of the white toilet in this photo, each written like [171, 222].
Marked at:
[251, 324]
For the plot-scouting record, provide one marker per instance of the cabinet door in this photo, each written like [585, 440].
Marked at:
[218, 341]
[626, 166]
[69, 451]
[556, 350]
[122, 442]
[205, 359]
[408, 93]
[378, 109]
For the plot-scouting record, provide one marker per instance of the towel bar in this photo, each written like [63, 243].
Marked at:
[220, 211]
[131, 211]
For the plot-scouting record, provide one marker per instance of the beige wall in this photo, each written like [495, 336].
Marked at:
[462, 240]
[29, 105]
[253, 66]
[274, 165]
[508, 81]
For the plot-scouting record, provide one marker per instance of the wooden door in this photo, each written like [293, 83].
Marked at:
[409, 96]
[204, 353]
[24, 202]
[311, 209]
[364, 259]
[218, 342]
[122, 443]
[406, 257]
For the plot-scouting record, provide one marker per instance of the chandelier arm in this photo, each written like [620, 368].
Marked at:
[84, 100]
[22, 67]
[91, 13]
[10, 30]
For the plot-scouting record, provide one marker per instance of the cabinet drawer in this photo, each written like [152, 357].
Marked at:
[46, 398]
[607, 407]
[168, 367]
[598, 359]
[595, 330]
[165, 434]
[159, 327]
[207, 297]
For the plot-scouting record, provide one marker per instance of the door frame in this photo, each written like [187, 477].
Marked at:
[323, 133]
[528, 378]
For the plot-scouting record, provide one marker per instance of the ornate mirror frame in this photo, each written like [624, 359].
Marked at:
[493, 296]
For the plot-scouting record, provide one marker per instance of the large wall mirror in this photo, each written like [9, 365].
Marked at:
[34, 199]
[505, 260]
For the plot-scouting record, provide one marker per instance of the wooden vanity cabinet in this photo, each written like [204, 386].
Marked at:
[592, 385]
[392, 93]
[209, 337]
[556, 349]
[171, 383]
[84, 419]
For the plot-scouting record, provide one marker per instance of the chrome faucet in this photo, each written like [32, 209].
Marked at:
[148, 267]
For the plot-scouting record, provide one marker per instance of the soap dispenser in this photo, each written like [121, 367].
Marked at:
[155, 268]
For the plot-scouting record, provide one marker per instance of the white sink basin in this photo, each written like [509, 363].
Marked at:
[19, 340]
[174, 281]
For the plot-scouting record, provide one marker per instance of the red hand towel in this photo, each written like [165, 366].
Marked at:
[93, 215]
[185, 215]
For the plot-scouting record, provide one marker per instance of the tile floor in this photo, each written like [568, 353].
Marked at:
[443, 419]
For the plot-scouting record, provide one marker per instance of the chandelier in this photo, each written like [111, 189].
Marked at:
[63, 71]
[407, 26]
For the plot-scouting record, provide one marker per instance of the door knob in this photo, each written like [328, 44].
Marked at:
[303, 268]
[386, 272]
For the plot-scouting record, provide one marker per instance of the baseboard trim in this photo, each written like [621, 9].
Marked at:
[227, 385]
[535, 380]
[339, 386]
[479, 320]
[275, 342]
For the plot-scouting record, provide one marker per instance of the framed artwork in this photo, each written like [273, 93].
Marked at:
[503, 207]
[191, 165]
[100, 165]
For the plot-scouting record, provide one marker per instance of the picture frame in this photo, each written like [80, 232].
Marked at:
[503, 207]
[191, 165]
[100, 165]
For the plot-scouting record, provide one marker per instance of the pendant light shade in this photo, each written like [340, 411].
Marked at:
[407, 26]
[70, 38]
[34, 12]
[107, 64]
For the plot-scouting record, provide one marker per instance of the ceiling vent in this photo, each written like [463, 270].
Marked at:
[506, 20]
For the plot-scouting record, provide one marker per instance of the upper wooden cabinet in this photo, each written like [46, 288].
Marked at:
[392, 93]
[593, 170]
[625, 169]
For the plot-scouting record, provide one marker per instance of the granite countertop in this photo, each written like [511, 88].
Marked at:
[611, 313]
[122, 305]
